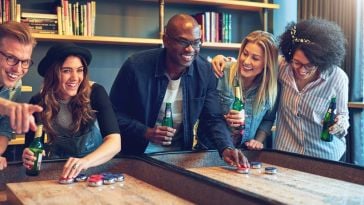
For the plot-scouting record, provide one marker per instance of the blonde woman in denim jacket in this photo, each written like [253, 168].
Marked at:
[255, 71]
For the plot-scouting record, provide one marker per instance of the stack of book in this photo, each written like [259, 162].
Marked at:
[215, 26]
[40, 22]
[9, 11]
[77, 18]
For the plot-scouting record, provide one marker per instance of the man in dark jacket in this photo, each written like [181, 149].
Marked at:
[174, 74]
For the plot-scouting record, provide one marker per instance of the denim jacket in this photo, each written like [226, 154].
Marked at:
[137, 95]
[262, 120]
[10, 94]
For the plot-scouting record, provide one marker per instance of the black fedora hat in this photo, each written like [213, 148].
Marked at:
[60, 51]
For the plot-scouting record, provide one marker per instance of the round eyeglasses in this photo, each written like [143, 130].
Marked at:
[13, 61]
[309, 67]
[196, 44]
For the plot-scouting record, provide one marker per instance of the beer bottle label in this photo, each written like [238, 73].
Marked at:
[39, 161]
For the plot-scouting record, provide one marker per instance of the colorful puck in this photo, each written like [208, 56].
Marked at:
[96, 176]
[242, 170]
[81, 178]
[65, 180]
[256, 165]
[109, 180]
[104, 174]
[119, 177]
[94, 182]
[270, 170]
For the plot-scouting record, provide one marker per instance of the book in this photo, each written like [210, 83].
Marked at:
[38, 15]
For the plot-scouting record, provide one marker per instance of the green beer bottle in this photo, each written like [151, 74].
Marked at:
[238, 105]
[37, 148]
[168, 119]
[328, 121]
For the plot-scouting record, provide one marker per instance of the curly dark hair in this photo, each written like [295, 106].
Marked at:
[322, 42]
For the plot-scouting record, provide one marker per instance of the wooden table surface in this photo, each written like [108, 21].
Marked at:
[131, 191]
[288, 186]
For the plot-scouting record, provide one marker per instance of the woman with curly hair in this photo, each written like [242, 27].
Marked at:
[77, 114]
[310, 76]
[255, 75]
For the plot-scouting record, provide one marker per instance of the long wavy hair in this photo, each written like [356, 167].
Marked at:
[268, 88]
[79, 105]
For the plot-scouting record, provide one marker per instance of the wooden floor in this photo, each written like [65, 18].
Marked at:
[288, 186]
[131, 191]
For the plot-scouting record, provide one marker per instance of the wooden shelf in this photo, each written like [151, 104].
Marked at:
[225, 46]
[229, 4]
[123, 41]
[356, 105]
[97, 39]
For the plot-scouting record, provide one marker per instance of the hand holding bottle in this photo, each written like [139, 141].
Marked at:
[32, 156]
[340, 126]
[235, 118]
[29, 158]
[160, 135]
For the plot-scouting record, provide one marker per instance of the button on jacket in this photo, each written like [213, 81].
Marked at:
[137, 95]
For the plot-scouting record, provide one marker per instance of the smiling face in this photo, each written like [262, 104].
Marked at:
[251, 61]
[13, 49]
[302, 68]
[180, 54]
[182, 41]
[71, 77]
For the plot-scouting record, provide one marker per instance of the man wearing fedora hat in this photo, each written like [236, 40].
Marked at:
[16, 46]
[78, 116]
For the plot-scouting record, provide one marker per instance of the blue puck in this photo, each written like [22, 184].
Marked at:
[256, 165]
[271, 170]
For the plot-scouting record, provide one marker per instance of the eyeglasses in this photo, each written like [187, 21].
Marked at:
[13, 61]
[309, 67]
[196, 44]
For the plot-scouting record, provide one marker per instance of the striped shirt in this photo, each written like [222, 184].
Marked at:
[300, 114]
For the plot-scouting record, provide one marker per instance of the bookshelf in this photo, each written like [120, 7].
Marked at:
[261, 7]
[229, 4]
[123, 27]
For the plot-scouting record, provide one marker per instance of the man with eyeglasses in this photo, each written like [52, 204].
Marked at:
[16, 46]
[178, 75]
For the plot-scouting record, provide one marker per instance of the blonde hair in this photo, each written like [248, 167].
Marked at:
[18, 31]
[268, 84]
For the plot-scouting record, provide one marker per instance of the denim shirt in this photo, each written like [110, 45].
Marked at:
[262, 120]
[137, 95]
[10, 94]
